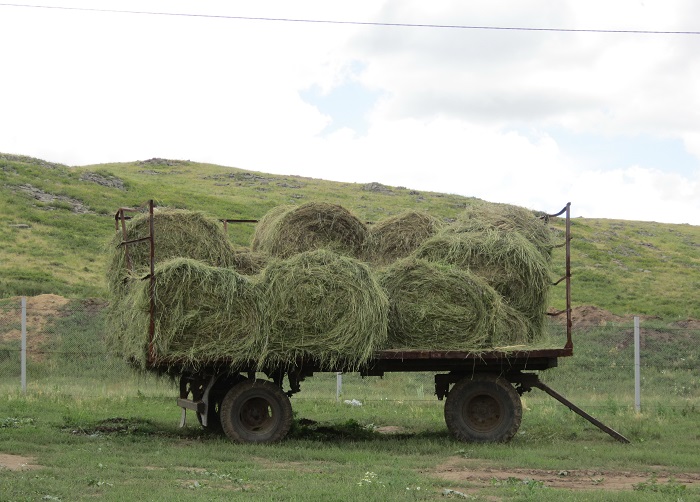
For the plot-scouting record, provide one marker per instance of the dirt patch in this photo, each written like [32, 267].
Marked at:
[689, 323]
[390, 430]
[41, 309]
[589, 316]
[17, 462]
[317, 466]
[476, 475]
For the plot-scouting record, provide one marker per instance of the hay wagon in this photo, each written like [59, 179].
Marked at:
[481, 390]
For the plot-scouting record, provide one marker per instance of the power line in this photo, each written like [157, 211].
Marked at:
[356, 23]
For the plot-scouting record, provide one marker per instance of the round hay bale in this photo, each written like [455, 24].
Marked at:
[398, 236]
[507, 261]
[287, 230]
[178, 233]
[202, 314]
[506, 217]
[322, 305]
[440, 307]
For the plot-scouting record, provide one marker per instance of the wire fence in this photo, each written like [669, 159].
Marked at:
[67, 353]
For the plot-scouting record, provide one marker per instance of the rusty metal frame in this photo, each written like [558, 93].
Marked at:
[120, 219]
[567, 274]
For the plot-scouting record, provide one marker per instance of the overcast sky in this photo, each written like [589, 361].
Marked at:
[608, 121]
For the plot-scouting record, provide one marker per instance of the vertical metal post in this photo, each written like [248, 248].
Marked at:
[338, 385]
[569, 323]
[23, 357]
[151, 285]
[637, 371]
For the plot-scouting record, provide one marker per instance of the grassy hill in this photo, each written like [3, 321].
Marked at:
[56, 220]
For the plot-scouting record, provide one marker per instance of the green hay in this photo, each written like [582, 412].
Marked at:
[439, 307]
[203, 314]
[288, 230]
[398, 236]
[247, 262]
[323, 305]
[507, 261]
[178, 233]
[506, 217]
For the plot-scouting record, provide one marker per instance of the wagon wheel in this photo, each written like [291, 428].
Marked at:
[256, 411]
[482, 409]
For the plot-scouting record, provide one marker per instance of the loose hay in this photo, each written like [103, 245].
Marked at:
[202, 314]
[247, 262]
[178, 233]
[398, 236]
[507, 261]
[323, 305]
[439, 307]
[288, 230]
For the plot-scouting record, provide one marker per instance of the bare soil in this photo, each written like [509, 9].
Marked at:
[474, 474]
[41, 309]
[589, 316]
[17, 462]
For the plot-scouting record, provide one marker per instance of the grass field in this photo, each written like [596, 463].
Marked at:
[106, 433]
[131, 449]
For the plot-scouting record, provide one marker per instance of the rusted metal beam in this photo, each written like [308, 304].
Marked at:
[536, 382]
[151, 285]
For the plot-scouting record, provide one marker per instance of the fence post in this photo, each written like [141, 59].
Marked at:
[23, 357]
[338, 385]
[637, 372]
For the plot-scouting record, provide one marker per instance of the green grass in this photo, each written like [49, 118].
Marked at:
[131, 448]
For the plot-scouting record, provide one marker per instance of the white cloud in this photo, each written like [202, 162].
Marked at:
[87, 87]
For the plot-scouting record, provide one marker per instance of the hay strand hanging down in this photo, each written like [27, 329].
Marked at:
[178, 233]
[203, 314]
[439, 307]
[398, 236]
[288, 230]
[323, 305]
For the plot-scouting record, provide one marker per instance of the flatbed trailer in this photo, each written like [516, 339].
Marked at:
[481, 390]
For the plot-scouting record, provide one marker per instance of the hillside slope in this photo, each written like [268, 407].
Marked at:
[56, 220]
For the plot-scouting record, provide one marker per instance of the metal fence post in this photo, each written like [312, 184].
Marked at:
[23, 357]
[338, 385]
[637, 371]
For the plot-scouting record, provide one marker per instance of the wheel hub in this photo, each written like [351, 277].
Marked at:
[256, 414]
[482, 413]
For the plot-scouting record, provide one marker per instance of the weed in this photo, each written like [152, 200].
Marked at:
[370, 479]
[14, 422]
[671, 487]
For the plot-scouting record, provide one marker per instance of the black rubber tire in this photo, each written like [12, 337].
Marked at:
[483, 409]
[256, 411]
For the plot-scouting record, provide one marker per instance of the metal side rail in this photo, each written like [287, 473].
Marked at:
[532, 380]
